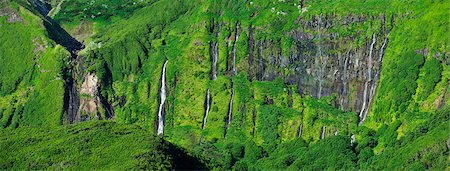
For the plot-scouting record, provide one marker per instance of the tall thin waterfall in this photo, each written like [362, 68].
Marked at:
[163, 100]
[344, 81]
[230, 109]
[362, 113]
[236, 37]
[300, 129]
[322, 135]
[375, 80]
[214, 56]
[320, 59]
[208, 106]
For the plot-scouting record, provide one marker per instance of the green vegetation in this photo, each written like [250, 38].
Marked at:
[84, 146]
[274, 123]
[31, 78]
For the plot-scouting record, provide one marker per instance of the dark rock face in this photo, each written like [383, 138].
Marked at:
[324, 63]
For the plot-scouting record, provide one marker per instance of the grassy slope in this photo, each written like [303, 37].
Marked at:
[31, 81]
[100, 145]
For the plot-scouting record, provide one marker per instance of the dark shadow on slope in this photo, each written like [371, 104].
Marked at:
[60, 36]
[181, 160]
[55, 31]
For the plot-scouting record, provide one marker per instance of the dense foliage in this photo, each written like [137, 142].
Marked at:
[260, 117]
[105, 145]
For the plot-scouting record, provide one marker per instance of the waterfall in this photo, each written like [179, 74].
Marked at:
[336, 132]
[363, 112]
[344, 81]
[163, 100]
[376, 78]
[322, 61]
[299, 134]
[214, 55]
[364, 101]
[208, 106]
[236, 37]
[352, 140]
[322, 136]
[230, 106]
[380, 58]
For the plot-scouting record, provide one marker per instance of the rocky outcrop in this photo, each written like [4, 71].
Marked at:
[86, 103]
[89, 100]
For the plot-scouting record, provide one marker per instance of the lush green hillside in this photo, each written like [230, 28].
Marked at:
[84, 146]
[249, 85]
[31, 77]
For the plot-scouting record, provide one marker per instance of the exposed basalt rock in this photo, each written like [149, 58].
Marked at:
[86, 102]
[89, 100]
[323, 63]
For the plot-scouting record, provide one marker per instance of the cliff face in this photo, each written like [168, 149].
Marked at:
[322, 62]
[260, 66]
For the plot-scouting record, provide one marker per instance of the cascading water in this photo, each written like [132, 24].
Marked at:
[163, 100]
[230, 108]
[353, 139]
[214, 56]
[299, 134]
[322, 135]
[376, 78]
[208, 106]
[344, 81]
[363, 112]
[320, 59]
[236, 37]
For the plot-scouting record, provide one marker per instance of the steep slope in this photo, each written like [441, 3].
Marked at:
[31, 76]
[336, 55]
[102, 145]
